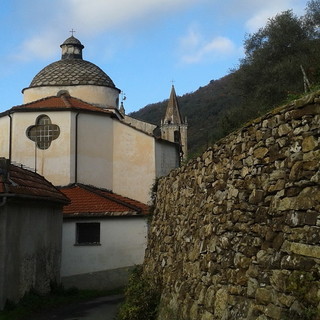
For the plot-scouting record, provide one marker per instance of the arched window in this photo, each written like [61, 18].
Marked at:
[43, 132]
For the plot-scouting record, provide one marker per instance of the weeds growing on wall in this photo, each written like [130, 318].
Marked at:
[300, 285]
[153, 198]
[141, 298]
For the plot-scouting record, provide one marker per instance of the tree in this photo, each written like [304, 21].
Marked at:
[312, 18]
[274, 55]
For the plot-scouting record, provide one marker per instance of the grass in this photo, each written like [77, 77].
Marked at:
[33, 303]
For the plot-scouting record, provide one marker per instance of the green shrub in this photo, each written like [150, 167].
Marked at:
[141, 298]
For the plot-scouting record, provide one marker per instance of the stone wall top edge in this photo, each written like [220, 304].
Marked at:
[310, 98]
[300, 103]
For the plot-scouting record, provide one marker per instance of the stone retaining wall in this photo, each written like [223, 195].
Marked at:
[236, 232]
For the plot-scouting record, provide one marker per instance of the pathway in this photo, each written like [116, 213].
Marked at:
[103, 308]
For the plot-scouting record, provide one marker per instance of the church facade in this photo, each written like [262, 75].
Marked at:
[71, 130]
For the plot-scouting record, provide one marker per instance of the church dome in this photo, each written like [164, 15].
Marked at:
[71, 69]
[80, 78]
[69, 72]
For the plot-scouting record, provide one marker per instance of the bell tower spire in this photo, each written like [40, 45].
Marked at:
[173, 110]
[173, 128]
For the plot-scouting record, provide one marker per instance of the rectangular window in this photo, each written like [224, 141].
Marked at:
[88, 233]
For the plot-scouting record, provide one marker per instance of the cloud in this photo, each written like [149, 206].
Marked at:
[37, 47]
[264, 10]
[196, 48]
[89, 18]
[191, 40]
[97, 15]
[92, 18]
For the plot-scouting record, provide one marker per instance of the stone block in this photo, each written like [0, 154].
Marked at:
[260, 153]
[221, 304]
[302, 249]
[279, 279]
[286, 300]
[309, 143]
[256, 196]
[263, 295]
[284, 129]
[295, 262]
[252, 286]
[207, 316]
[274, 312]
[209, 299]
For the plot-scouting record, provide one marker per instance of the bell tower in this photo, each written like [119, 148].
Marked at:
[173, 127]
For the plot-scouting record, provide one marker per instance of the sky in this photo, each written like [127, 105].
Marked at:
[144, 46]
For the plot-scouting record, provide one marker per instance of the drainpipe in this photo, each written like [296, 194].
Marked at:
[76, 151]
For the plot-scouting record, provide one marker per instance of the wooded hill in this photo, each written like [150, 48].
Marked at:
[281, 62]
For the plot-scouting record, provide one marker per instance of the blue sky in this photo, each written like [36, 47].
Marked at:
[143, 45]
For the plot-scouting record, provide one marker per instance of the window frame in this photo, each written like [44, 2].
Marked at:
[81, 235]
[43, 132]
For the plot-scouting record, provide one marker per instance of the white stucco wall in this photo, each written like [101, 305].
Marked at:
[167, 157]
[4, 136]
[123, 242]
[57, 163]
[95, 150]
[101, 95]
[54, 163]
[134, 162]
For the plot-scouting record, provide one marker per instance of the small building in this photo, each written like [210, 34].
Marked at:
[30, 232]
[104, 235]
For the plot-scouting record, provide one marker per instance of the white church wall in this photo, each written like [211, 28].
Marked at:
[122, 245]
[4, 136]
[134, 162]
[101, 95]
[95, 145]
[53, 163]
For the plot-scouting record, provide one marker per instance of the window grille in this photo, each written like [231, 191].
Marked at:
[43, 132]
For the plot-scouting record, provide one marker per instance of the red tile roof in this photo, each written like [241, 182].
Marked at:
[87, 201]
[60, 102]
[17, 181]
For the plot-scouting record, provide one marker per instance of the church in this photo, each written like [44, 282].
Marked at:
[72, 130]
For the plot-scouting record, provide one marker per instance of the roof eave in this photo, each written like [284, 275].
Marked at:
[31, 197]
[92, 215]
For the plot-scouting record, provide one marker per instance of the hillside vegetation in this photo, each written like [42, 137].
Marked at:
[281, 62]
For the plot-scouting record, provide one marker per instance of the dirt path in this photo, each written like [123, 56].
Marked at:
[103, 308]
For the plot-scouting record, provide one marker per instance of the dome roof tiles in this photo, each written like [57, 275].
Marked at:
[72, 41]
[68, 72]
